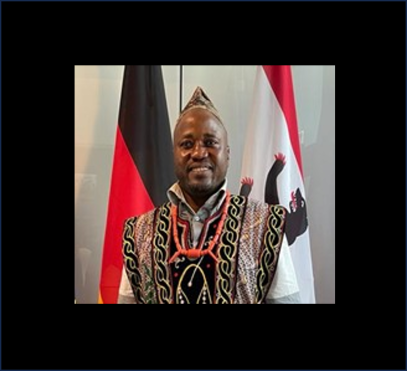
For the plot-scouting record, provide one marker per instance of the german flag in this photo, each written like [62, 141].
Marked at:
[142, 165]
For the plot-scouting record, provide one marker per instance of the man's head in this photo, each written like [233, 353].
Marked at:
[201, 150]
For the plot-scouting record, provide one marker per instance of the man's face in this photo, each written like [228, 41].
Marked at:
[201, 153]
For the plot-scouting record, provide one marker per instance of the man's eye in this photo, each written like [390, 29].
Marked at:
[186, 144]
[211, 143]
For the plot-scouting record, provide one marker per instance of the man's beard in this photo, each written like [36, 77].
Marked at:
[200, 189]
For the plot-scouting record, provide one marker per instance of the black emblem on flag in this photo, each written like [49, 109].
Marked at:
[297, 221]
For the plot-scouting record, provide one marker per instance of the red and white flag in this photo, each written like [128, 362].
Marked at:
[272, 168]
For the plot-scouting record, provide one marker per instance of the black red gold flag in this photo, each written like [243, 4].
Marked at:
[142, 165]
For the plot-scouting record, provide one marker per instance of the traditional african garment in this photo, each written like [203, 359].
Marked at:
[251, 263]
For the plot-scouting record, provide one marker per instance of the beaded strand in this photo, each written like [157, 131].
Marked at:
[196, 253]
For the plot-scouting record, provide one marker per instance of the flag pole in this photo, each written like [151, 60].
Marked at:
[181, 70]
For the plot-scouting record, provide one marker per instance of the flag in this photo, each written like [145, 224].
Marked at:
[142, 165]
[272, 168]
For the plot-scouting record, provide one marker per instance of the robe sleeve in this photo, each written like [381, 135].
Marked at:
[284, 288]
[126, 295]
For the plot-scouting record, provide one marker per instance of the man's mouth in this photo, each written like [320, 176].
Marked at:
[199, 169]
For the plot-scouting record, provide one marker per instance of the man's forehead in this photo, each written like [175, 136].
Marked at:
[192, 126]
[198, 117]
[194, 133]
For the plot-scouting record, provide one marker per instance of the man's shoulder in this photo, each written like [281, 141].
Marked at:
[148, 215]
[259, 205]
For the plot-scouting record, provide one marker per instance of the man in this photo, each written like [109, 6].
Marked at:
[206, 246]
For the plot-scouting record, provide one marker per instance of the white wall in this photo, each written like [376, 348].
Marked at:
[97, 95]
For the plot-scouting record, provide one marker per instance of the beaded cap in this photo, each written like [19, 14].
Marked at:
[200, 100]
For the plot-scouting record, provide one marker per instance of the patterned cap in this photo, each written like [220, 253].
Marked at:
[200, 100]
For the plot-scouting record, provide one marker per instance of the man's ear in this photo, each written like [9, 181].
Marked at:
[228, 150]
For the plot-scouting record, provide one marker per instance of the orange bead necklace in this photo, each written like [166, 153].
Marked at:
[196, 253]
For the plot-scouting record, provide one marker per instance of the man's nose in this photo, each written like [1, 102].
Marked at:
[199, 151]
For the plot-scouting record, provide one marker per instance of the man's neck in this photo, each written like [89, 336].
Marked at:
[195, 202]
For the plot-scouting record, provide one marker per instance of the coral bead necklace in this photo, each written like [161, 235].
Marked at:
[196, 253]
